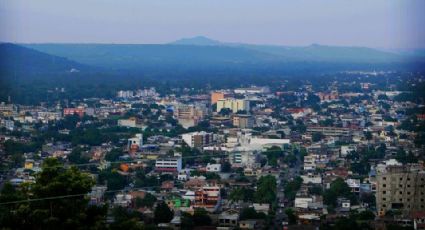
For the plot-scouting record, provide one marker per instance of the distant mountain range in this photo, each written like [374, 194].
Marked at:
[19, 59]
[197, 53]
[198, 40]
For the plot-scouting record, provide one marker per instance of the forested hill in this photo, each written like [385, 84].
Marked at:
[201, 53]
[16, 59]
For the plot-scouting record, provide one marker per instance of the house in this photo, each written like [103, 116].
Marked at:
[264, 208]
[229, 218]
[213, 167]
[207, 197]
[251, 224]
[167, 186]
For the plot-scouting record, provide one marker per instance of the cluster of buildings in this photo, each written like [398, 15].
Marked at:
[212, 144]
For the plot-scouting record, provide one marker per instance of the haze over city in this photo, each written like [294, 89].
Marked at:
[378, 24]
[212, 114]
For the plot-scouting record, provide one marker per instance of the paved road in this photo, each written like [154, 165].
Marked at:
[280, 196]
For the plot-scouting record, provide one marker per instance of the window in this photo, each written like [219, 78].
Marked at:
[401, 192]
[384, 185]
[384, 192]
[384, 178]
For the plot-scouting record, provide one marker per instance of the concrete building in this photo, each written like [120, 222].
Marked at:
[125, 94]
[215, 96]
[234, 105]
[173, 165]
[134, 144]
[71, 111]
[207, 197]
[198, 139]
[400, 187]
[213, 167]
[252, 90]
[243, 121]
[131, 122]
[190, 115]
[229, 218]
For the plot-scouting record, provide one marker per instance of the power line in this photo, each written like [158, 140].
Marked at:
[69, 196]
[108, 191]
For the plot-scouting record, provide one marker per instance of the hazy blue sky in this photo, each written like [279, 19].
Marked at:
[373, 23]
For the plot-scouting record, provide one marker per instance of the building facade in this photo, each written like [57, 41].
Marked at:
[402, 188]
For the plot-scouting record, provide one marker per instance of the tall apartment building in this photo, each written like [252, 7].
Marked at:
[234, 105]
[190, 115]
[243, 121]
[400, 187]
[198, 139]
[215, 96]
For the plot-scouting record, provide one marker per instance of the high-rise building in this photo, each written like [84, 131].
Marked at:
[234, 105]
[198, 139]
[243, 121]
[401, 188]
[215, 96]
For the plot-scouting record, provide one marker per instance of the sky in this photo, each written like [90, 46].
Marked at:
[390, 24]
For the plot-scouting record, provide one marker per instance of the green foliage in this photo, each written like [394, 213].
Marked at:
[148, 201]
[63, 213]
[126, 219]
[266, 190]
[315, 190]
[76, 156]
[242, 194]
[113, 179]
[201, 217]
[273, 154]
[292, 187]
[113, 155]
[162, 213]
[337, 189]
[145, 181]
[317, 136]
[404, 157]
[292, 218]
[226, 167]
[250, 213]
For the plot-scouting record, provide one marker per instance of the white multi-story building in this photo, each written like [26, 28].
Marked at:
[169, 164]
[252, 90]
[312, 160]
[311, 178]
[136, 142]
[125, 94]
[198, 139]
[234, 105]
